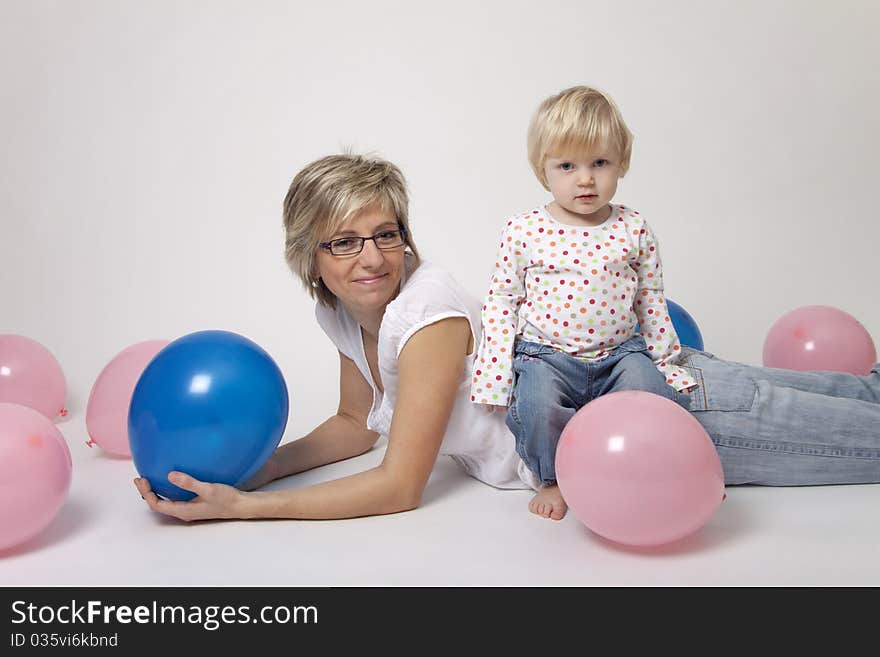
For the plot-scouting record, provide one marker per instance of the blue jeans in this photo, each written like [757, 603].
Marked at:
[778, 427]
[550, 386]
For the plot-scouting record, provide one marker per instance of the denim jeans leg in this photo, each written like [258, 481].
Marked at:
[832, 384]
[544, 400]
[781, 428]
[630, 367]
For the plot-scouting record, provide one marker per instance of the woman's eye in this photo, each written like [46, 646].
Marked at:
[344, 243]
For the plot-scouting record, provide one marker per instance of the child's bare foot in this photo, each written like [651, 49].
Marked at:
[548, 503]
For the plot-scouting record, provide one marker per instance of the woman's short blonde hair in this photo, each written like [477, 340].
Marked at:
[328, 193]
[578, 118]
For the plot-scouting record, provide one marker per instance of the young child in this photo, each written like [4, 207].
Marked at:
[572, 281]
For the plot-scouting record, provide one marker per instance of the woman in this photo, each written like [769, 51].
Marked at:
[392, 319]
[406, 332]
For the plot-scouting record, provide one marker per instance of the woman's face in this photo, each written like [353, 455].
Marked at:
[367, 281]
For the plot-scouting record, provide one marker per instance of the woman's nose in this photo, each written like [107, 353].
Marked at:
[371, 255]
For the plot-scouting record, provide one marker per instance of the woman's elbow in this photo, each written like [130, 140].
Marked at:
[404, 494]
[363, 440]
[405, 498]
[410, 502]
[365, 443]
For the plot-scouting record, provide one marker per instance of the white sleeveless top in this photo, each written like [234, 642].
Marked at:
[475, 438]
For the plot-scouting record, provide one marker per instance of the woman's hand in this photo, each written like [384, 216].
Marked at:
[212, 501]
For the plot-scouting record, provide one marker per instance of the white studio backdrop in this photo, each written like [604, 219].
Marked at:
[147, 148]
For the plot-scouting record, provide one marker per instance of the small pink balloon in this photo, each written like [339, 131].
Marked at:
[638, 469]
[35, 470]
[107, 408]
[814, 338]
[31, 376]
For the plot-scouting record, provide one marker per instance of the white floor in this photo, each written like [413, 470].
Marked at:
[465, 534]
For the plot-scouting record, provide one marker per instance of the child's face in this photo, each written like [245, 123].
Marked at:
[583, 182]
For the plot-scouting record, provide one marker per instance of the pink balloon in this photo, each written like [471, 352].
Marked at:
[35, 469]
[638, 469]
[107, 408]
[31, 376]
[820, 338]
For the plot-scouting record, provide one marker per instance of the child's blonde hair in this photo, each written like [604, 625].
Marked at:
[578, 117]
[325, 195]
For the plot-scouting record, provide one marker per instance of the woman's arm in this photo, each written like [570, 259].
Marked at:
[430, 370]
[342, 436]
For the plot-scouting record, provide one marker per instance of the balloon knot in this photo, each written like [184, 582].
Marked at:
[90, 442]
[63, 412]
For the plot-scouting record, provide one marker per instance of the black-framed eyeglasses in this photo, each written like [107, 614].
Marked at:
[349, 246]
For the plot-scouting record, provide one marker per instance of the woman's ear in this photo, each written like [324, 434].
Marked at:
[314, 275]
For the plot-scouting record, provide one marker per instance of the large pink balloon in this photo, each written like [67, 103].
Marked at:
[107, 408]
[35, 469]
[31, 376]
[638, 469]
[819, 338]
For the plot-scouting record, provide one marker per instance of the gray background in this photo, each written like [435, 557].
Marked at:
[147, 149]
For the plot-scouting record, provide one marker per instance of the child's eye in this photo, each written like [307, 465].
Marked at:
[601, 163]
[566, 166]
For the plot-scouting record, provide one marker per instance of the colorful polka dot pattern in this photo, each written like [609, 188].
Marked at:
[579, 289]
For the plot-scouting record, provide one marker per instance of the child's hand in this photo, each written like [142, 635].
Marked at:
[496, 409]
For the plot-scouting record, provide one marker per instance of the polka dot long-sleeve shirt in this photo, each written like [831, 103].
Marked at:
[582, 290]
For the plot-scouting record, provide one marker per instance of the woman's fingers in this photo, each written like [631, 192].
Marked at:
[179, 510]
[211, 501]
[143, 487]
[186, 482]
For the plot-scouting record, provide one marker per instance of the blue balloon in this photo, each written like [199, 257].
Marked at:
[688, 332]
[211, 404]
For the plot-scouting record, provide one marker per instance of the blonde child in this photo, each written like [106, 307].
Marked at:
[572, 281]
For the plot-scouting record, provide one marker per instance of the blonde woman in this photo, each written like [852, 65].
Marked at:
[405, 331]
